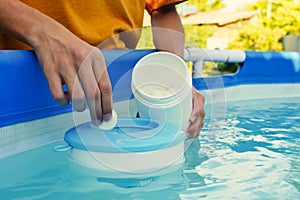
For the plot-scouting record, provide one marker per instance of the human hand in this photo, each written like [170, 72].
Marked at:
[66, 59]
[197, 115]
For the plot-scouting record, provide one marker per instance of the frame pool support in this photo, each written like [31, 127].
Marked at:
[198, 56]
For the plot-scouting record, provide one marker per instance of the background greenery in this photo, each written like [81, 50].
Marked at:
[195, 35]
[267, 33]
[264, 35]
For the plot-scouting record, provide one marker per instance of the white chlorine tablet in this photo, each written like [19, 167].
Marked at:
[109, 124]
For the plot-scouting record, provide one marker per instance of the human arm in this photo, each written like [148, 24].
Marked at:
[168, 35]
[168, 32]
[64, 58]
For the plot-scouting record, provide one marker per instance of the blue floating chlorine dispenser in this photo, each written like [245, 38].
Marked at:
[134, 145]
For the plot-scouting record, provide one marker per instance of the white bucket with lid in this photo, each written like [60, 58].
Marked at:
[162, 87]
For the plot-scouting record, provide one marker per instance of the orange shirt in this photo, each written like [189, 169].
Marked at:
[93, 20]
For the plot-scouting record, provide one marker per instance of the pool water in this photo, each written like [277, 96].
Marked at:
[255, 156]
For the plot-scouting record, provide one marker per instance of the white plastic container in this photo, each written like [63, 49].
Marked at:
[162, 87]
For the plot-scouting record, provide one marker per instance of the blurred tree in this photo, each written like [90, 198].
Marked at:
[207, 5]
[195, 35]
[282, 18]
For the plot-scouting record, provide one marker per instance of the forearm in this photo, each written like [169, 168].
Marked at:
[168, 32]
[18, 20]
[26, 23]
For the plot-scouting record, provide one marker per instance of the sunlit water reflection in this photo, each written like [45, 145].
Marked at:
[256, 155]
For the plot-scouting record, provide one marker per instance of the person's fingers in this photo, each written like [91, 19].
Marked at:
[198, 103]
[197, 115]
[92, 91]
[194, 128]
[94, 103]
[102, 77]
[86, 77]
[55, 86]
[75, 90]
[106, 96]
[190, 131]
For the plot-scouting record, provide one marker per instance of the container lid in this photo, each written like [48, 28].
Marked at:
[129, 135]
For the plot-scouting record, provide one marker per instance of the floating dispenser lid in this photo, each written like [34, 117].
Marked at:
[129, 135]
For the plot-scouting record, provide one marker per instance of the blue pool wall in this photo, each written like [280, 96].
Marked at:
[25, 96]
[258, 68]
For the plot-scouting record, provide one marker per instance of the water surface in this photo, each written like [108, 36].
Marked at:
[256, 155]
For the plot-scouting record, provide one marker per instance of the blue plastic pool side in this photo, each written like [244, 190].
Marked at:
[258, 68]
[24, 92]
[25, 96]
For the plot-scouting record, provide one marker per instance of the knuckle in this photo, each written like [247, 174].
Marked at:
[202, 98]
[203, 114]
[201, 124]
[106, 88]
[199, 95]
[91, 90]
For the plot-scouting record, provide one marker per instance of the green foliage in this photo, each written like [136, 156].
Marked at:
[195, 36]
[284, 15]
[227, 68]
[258, 37]
[146, 40]
[219, 68]
[216, 5]
[206, 5]
[282, 19]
